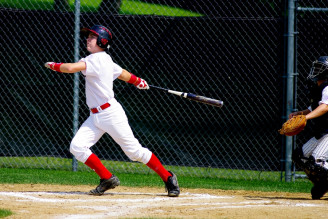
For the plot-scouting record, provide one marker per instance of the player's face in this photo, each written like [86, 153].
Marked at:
[92, 46]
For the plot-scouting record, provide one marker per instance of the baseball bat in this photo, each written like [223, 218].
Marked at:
[191, 96]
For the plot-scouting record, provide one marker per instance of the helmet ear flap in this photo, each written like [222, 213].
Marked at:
[99, 42]
[103, 43]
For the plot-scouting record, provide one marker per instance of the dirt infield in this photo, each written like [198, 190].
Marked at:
[54, 201]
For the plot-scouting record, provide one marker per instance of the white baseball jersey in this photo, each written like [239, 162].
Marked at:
[100, 73]
[324, 98]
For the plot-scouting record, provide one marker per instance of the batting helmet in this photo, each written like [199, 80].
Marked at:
[319, 70]
[104, 35]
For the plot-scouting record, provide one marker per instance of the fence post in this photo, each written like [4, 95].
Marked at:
[290, 84]
[76, 75]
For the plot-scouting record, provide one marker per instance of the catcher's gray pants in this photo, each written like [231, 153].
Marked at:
[318, 148]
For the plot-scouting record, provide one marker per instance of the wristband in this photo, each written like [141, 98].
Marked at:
[56, 66]
[134, 79]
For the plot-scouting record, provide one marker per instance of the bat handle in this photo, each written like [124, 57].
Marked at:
[160, 88]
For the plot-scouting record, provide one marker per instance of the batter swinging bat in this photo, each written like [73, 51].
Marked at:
[194, 97]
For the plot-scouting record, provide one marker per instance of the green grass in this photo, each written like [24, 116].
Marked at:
[128, 7]
[135, 7]
[65, 177]
[52, 170]
[5, 213]
[135, 167]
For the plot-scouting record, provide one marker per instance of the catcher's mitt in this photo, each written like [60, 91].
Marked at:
[293, 126]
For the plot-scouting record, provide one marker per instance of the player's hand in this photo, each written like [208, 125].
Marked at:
[142, 84]
[53, 66]
[294, 114]
[50, 65]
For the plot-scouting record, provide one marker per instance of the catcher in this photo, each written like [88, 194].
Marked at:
[312, 157]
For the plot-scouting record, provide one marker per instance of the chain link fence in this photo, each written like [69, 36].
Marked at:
[228, 50]
[311, 28]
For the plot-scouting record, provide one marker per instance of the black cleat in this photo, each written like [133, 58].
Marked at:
[104, 185]
[172, 186]
[318, 190]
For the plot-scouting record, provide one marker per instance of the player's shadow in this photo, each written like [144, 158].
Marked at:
[135, 194]
[59, 193]
[108, 193]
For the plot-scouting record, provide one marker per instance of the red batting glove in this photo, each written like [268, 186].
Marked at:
[53, 66]
[138, 82]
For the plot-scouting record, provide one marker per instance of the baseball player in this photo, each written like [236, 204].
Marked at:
[313, 155]
[106, 113]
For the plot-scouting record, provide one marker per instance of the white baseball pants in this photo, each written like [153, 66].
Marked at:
[113, 121]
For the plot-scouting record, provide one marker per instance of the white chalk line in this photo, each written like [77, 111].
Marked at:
[28, 196]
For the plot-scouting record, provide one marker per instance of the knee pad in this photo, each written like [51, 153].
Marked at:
[315, 172]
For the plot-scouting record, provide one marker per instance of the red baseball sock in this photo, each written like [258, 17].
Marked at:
[94, 163]
[157, 166]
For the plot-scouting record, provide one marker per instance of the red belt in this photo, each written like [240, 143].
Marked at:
[100, 108]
